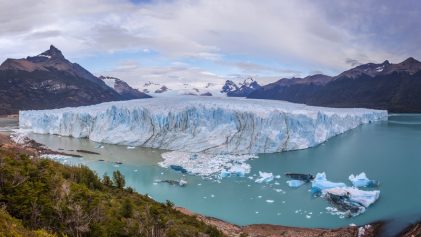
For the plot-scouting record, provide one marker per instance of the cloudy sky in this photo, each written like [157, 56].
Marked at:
[214, 39]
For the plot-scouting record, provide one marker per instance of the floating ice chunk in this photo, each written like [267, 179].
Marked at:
[320, 183]
[264, 177]
[295, 183]
[361, 180]
[131, 147]
[270, 201]
[308, 216]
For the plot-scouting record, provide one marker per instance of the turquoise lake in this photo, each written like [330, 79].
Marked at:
[388, 151]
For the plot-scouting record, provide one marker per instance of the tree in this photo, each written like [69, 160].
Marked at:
[119, 180]
[106, 180]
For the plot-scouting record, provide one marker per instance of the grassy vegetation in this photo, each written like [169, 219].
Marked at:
[40, 197]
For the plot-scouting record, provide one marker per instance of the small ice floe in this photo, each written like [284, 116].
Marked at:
[264, 177]
[257, 212]
[295, 183]
[361, 180]
[278, 190]
[135, 170]
[270, 201]
[277, 177]
[212, 196]
[99, 146]
[320, 183]
[131, 147]
[308, 216]
[259, 196]
[199, 184]
[350, 201]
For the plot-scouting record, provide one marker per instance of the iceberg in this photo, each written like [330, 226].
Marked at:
[211, 125]
[264, 177]
[349, 201]
[361, 180]
[320, 183]
[295, 183]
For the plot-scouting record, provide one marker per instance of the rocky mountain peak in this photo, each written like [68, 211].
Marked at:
[53, 52]
[410, 61]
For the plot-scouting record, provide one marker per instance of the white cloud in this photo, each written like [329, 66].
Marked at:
[294, 32]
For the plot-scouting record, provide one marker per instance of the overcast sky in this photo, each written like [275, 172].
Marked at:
[213, 39]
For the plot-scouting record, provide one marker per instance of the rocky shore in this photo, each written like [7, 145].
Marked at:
[257, 230]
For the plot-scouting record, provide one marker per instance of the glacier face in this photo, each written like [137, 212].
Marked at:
[209, 125]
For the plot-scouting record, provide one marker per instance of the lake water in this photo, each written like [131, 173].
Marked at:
[388, 151]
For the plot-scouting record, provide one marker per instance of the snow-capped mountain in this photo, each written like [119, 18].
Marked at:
[243, 88]
[122, 88]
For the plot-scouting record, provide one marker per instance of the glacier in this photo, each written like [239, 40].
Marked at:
[210, 125]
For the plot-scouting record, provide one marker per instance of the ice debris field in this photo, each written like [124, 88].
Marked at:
[345, 201]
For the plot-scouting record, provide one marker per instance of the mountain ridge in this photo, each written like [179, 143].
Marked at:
[48, 80]
[394, 87]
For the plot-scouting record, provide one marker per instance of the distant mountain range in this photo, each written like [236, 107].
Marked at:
[49, 80]
[394, 87]
[243, 89]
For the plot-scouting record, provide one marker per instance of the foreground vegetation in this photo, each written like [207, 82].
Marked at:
[41, 197]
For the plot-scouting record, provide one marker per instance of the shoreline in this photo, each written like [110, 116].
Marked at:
[34, 148]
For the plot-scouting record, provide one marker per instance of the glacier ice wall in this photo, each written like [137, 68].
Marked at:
[201, 124]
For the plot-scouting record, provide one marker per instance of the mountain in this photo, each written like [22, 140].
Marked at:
[244, 88]
[395, 87]
[122, 88]
[47, 81]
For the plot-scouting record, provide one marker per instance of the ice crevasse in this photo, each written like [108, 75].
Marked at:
[207, 125]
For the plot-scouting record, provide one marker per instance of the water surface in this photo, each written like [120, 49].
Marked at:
[388, 151]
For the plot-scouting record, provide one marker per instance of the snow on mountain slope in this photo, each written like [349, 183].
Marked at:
[212, 125]
[171, 89]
